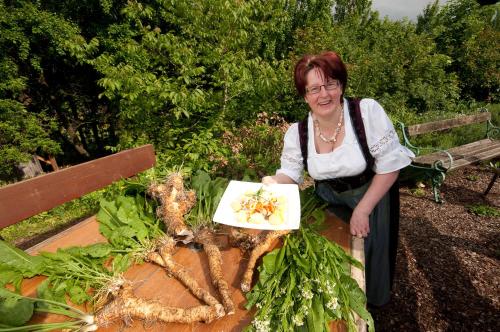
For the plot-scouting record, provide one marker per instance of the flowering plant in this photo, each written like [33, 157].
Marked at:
[305, 285]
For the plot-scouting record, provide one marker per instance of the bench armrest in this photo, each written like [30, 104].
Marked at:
[492, 131]
[419, 150]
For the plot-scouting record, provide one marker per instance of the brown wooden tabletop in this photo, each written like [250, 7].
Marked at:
[151, 282]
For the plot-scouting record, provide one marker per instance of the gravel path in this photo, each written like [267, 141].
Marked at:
[448, 268]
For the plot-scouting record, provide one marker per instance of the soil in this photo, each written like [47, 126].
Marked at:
[448, 270]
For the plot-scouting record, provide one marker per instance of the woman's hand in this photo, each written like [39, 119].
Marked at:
[359, 224]
[269, 180]
[278, 178]
[381, 183]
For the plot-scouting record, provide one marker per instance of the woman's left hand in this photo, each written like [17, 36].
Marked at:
[359, 224]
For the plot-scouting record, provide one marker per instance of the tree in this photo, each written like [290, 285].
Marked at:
[469, 35]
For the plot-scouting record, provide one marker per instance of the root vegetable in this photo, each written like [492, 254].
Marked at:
[175, 203]
[164, 258]
[258, 251]
[206, 237]
[127, 306]
[242, 240]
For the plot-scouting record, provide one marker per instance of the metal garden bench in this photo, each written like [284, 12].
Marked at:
[436, 163]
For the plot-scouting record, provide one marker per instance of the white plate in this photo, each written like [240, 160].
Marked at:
[226, 215]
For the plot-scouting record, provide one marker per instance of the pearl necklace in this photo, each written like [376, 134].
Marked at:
[332, 139]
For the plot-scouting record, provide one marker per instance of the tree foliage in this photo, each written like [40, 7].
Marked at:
[83, 78]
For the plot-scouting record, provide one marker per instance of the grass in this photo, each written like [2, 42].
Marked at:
[484, 210]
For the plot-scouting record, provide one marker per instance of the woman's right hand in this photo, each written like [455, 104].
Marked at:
[278, 178]
[269, 180]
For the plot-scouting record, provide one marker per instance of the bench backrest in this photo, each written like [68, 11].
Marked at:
[423, 128]
[24, 199]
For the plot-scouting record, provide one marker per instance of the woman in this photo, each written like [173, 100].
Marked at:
[351, 150]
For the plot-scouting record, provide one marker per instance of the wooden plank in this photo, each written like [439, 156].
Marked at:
[151, 281]
[47, 191]
[486, 155]
[474, 148]
[463, 155]
[448, 123]
[358, 253]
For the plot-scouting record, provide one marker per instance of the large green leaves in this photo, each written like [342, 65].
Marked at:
[208, 194]
[14, 309]
[17, 264]
[128, 222]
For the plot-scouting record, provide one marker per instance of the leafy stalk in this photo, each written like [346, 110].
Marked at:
[16, 310]
[326, 293]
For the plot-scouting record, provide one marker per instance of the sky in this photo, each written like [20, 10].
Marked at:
[397, 9]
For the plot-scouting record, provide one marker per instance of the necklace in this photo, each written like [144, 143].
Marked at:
[335, 133]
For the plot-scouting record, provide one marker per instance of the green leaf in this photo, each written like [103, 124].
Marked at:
[44, 291]
[10, 276]
[78, 295]
[14, 310]
[269, 261]
[357, 300]
[19, 260]
[315, 317]
[121, 263]
[98, 250]
[200, 181]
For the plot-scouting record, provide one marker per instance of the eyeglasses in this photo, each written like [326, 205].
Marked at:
[330, 85]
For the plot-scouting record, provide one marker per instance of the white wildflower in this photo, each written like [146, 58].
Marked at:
[307, 294]
[304, 310]
[262, 325]
[333, 303]
[298, 320]
[329, 287]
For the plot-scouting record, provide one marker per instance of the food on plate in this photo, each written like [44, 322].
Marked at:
[260, 207]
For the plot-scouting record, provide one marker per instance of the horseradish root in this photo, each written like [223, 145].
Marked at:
[164, 259]
[175, 203]
[206, 237]
[126, 306]
[242, 240]
[258, 251]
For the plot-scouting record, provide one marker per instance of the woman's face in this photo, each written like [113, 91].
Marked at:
[326, 100]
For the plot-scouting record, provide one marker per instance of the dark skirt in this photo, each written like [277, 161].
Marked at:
[381, 243]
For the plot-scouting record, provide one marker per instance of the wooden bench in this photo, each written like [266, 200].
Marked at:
[438, 162]
[150, 281]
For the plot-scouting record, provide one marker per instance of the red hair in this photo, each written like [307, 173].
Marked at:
[330, 64]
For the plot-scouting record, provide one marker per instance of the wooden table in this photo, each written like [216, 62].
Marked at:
[151, 281]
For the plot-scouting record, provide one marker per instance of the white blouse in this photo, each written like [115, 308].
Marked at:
[347, 159]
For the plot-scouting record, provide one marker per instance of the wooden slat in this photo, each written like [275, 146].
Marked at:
[24, 199]
[151, 281]
[474, 147]
[486, 155]
[448, 123]
[463, 155]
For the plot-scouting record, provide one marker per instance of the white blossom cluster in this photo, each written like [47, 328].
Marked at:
[298, 320]
[262, 325]
[306, 293]
[329, 287]
[333, 303]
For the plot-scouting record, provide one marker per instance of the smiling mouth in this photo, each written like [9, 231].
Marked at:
[323, 103]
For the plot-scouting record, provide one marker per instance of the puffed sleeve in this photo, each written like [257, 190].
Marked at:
[291, 156]
[382, 139]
